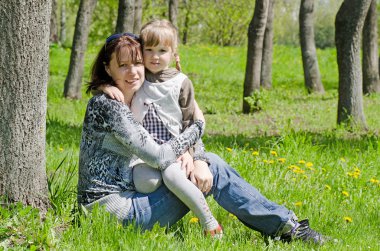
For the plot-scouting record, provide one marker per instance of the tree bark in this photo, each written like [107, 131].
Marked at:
[371, 83]
[24, 63]
[266, 65]
[312, 76]
[256, 32]
[187, 21]
[125, 16]
[138, 16]
[62, 36]
[348, 29]
[173, 12]
[73, 82]
[54, 22]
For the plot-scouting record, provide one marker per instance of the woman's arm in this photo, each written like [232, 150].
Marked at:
[116, 118]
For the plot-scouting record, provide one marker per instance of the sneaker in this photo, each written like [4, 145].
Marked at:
[302, 231]
[216, 233]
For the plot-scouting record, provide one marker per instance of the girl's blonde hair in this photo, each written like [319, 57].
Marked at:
[161, 31]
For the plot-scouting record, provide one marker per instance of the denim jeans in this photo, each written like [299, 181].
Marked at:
[229, 190]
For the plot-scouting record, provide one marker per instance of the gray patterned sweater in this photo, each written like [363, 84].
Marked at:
[111, 140]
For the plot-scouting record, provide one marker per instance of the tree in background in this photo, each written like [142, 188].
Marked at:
[126, 16]
[349, 24]
[62, 34]
[54, 22]
[312, 76]
[24, 63]
[138, 16]
[266, 64]
[73, 82]
[371, 83]
[256, 32]
[173, 12]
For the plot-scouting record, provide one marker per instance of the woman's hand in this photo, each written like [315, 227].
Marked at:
[187, 163]
[202, 176]
[198, 114]
[112, 91]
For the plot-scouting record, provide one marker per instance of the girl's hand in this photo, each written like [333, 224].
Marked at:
[202, 176]
[113, 92]
[187, 163]
[198, 114]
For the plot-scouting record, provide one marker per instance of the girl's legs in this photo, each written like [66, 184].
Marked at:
[147, 179]
[175, 179]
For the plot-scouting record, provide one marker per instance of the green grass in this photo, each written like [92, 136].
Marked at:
[292, 151]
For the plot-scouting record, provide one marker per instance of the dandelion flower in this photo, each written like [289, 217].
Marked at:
[309, 164]
[60, 149]
[345, 193]
[301, 161]
[274, 153]
[298, 204]
[229, 149]
[194, 220]
[375, 181]
[328, 187]
[232, 216]
[347, 219]
[255, 153]
[281, 160]
[270, 161]
[342, 159]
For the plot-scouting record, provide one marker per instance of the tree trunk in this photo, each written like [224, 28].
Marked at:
[371, 83]
[173, 12]
[309, 53]
[138, 17]
[187, 21]
[266, 65]
[54, 22]
[62, 36]
[24, 63]
[348, 29]
[125, 16]
[73, 82]
[256, 32]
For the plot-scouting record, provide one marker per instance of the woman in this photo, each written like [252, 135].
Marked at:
[112, 139]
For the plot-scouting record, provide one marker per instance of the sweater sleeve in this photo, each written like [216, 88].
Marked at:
[114, 117]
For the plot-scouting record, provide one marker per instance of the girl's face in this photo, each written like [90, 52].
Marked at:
[157, 58]
[127, 75]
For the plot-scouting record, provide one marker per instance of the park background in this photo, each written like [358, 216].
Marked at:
[291, 149]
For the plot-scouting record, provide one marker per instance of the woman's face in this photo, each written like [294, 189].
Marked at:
[127, 75]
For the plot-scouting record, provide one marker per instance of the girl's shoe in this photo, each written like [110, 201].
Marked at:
[216, 233]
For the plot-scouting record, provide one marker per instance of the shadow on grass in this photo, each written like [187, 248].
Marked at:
[60, 133]
[331, 140]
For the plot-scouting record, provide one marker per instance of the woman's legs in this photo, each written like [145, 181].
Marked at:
[240, 198]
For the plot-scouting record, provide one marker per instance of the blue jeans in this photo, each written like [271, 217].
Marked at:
[229, 189]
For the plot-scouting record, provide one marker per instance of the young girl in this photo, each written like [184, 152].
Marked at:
[165, 105]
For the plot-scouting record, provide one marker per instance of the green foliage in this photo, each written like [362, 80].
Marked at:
[257, 101]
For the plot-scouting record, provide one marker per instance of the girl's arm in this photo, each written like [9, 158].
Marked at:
[115, 118]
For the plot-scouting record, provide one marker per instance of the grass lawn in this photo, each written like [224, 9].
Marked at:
[292, 151]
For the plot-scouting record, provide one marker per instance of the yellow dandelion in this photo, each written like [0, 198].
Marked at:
[375, 181]
[347, 219]
[281, 160]
[357, 170]
[194, 220]
[342, 159]
[345, 193]
[274, 153]
[60, 149]
[301, 161]
[232, 216]
[229, 149]
[299, 171]
[270, 161]
[327, 187]
[298, 204]
[255, 153]
[309, 164]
